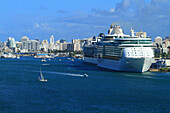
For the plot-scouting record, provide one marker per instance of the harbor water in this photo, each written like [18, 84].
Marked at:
[67, 90]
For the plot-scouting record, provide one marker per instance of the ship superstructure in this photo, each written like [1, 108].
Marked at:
[121, 52]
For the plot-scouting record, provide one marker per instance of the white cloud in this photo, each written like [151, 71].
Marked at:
[37, 25]
[112, 10]
[44, 26]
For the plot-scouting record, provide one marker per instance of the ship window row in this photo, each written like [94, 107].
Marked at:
[99, 49]
[138, 54]
[113, 54]
[112, 49]
[134, 42]
[112, 46]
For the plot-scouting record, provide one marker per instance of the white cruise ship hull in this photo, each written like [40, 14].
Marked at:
[127, 64]
[124, 64]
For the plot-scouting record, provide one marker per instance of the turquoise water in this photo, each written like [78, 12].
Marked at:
[67, 91]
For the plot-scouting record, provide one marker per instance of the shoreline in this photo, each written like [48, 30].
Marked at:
[165, 69]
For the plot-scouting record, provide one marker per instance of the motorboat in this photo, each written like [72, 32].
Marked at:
[43, 60]
[85, 75]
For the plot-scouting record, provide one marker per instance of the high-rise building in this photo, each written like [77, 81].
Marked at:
[18, 46]
[45, 45]
[11, 42]
[158, 40]
[51, 46]
[141, 34]
[2, 46]
[52, 40]
[61, 45]
[76, 44]
[24, 47]
[70, 47]
[33, 46]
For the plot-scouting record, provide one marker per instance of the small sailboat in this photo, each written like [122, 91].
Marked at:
[41, 77]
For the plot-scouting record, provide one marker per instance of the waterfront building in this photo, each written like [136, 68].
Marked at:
[166, 42]
[18, 46]
[33, 46]
[158, 40]
[24, 47]
[141, 34]
[159, 49]
[61, 45]
[70, 47]
[76, 44]
[51, 47]
[45, 46]
[52, 40]
[56, 46]
[2, 46]
[76, 47]
[11, 42]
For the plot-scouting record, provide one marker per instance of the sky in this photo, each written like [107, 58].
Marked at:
[78, 19]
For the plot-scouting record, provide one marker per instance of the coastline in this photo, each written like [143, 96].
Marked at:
[165, 69]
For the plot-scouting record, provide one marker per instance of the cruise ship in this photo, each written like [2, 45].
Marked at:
[120, 52]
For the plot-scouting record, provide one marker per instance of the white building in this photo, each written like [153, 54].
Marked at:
[158, 40]
[52, 40]
[11, 42]
[45, 45]
[52, 46]
[76, 44]
[24, 47]
[33, 45]
[61, 45]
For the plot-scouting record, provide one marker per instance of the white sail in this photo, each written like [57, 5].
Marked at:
[41, 77]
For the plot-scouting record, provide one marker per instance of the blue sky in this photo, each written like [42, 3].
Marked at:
[70, 19]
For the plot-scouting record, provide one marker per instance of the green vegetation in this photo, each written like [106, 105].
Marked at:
[163, 55]
[166, 69]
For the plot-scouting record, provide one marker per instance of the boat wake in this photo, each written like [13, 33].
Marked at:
[45, 64]
[60, 73]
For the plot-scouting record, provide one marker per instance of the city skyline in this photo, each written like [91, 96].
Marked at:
[81, 19]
